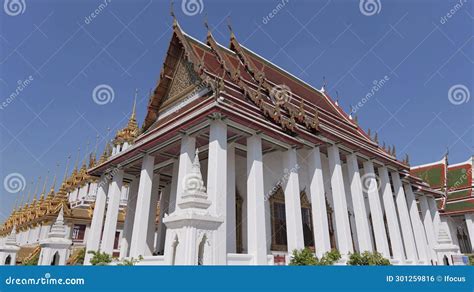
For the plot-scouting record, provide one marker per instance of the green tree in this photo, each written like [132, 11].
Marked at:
[368, 259]
[100, 258]
[306, 257]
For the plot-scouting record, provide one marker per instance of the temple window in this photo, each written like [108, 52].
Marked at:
[78, 232]
[278, 221]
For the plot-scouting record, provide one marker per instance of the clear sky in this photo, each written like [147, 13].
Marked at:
[59, 52]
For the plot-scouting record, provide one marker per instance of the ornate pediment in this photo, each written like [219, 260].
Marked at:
[185, 80]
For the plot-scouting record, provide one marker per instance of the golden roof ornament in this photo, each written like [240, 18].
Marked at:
[131, 131]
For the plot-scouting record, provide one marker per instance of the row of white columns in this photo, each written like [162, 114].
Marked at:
[404, 225]
[408, 235]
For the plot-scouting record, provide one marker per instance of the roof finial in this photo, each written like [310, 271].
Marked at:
[206, 24]
[134, 109]
[323, 89]
[36, 189]
[172, 13]
[229, 25]
[44, 185]
[53, 185]
[67, 168]
[77, 158]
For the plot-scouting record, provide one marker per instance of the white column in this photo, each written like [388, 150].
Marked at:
[420, 238]
[129, 219]
[428, 224]
[343, 231]
[188, 148]
[360, 214]
[110, 225]
[294, 223]
[391, 214]
[217, 184]
[151, 231]
[142, 213]
[434, 215]
[470, 227]
[381, 241]
[230, 219]
[405, 222]
[318, 203]
[93, 241]
[257, 245]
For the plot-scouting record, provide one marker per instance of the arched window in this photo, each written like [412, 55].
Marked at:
[8, 260]
[278, 221]
[55, 260]
[201, 250]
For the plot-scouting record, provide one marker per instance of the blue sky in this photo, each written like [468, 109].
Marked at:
[60, 54]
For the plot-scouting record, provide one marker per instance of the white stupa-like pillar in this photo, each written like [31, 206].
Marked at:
[54, 249]
[343, 231]
[360, 214]
[93, 240]
[381, 241]
[9, 250]
[188, 146]
[256, 238]
[110, 225]
[318, 203]
[404, 216]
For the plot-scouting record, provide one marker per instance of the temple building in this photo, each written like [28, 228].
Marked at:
[239, 162]
[457, 206]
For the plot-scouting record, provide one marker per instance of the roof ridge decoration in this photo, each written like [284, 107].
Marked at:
[256, 96]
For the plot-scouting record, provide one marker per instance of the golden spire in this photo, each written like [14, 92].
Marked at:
[36, 191]
[133, 116]
[44, 188]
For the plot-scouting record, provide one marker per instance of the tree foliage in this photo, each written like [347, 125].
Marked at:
[306, 257]
[100, 258]
[368, 259]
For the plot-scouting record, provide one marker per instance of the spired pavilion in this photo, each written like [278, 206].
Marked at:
[457, 207]
[238, 162]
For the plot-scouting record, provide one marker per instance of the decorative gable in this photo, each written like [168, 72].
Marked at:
[184, 81]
